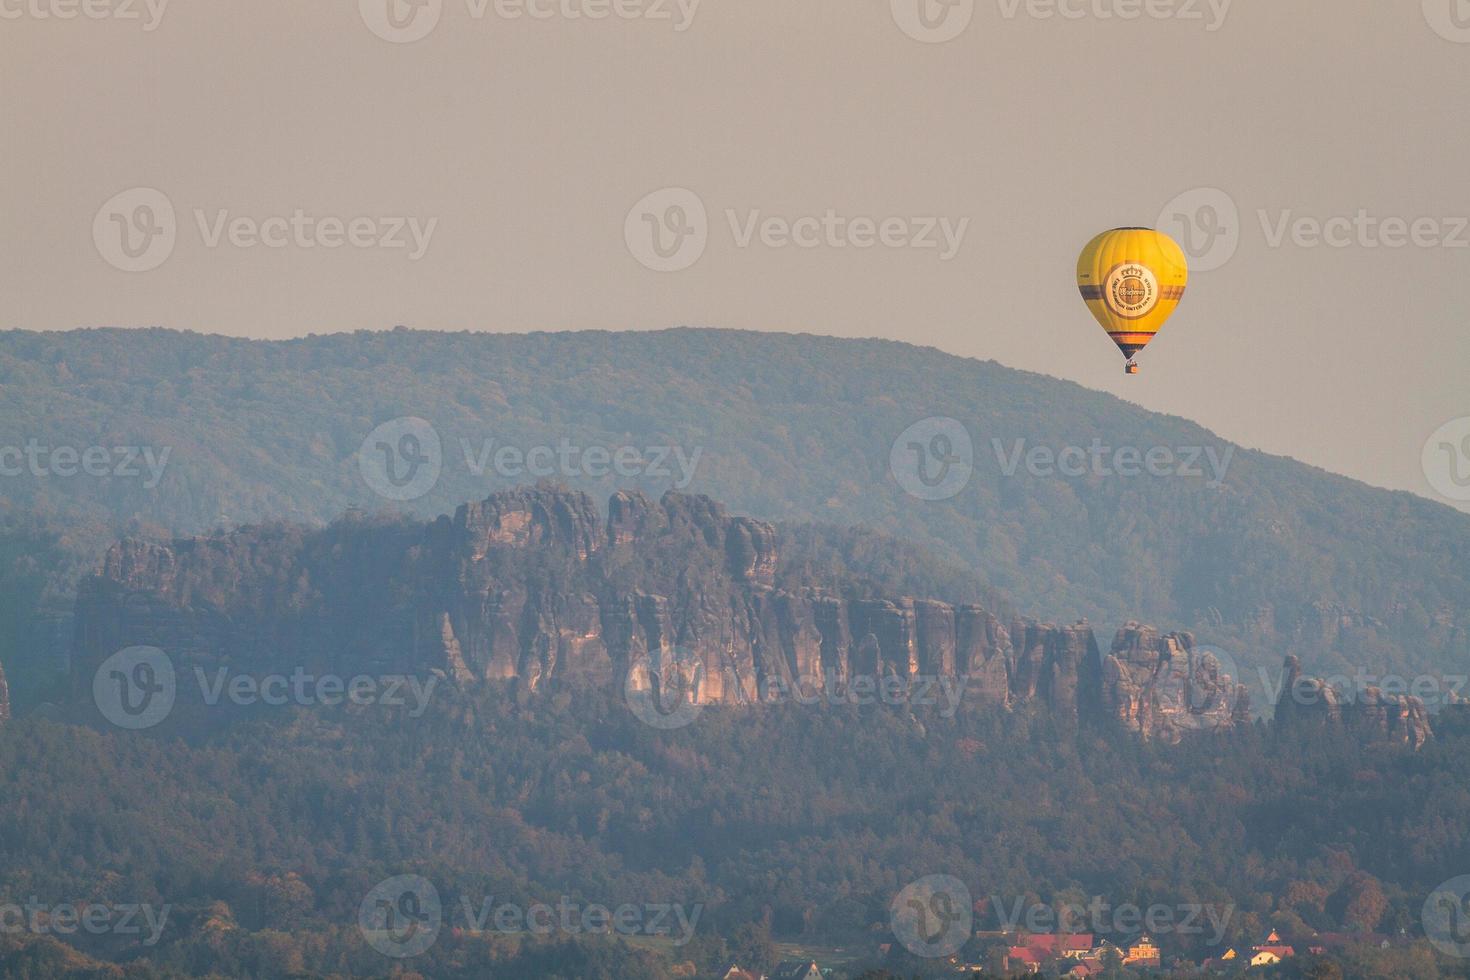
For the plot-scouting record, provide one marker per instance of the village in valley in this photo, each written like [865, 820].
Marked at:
[1077, 955]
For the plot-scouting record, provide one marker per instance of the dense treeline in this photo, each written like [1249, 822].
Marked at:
[266, 836]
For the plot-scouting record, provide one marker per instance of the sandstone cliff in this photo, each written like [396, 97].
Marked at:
[1369, 714]
[534, 586]
[1161, 686]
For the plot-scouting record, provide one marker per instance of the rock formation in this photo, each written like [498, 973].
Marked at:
[532, 586]
[1369, 714]
[1161, 686]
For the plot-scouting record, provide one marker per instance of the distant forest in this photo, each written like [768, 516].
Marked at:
[1276, 558]
[788, 823]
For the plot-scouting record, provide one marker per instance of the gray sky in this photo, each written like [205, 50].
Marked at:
[520, 147]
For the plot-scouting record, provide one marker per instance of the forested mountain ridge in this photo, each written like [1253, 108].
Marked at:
[534, 586]
[1273, 558]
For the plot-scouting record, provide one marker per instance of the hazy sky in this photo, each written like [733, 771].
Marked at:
[520, 139]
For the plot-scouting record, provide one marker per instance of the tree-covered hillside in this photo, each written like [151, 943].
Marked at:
[1276, 557]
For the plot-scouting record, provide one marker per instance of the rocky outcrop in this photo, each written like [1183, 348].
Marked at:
[1163, 687]
[1369, 714]
[533, 587]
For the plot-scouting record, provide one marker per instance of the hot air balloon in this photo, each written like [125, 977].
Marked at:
[1132, 280]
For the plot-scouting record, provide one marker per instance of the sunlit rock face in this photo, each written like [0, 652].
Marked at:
[1161, 686]
[534, 586]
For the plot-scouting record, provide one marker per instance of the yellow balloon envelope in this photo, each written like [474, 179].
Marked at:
[1132, 280]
